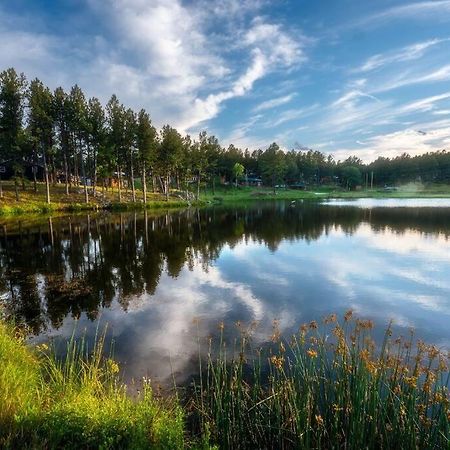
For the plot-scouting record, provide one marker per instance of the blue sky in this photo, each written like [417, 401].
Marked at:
[367, 78]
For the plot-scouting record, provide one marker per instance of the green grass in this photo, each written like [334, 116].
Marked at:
[325, 389]
[77, 402]
[35, 202]
[31, 202]
[328, 387]
[231, 194]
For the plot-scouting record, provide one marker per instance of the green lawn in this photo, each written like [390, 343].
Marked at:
[35, 202]
[243, 193]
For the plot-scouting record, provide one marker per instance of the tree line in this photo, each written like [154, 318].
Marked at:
[63, 137]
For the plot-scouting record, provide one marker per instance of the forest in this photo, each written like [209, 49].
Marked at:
[65, 138]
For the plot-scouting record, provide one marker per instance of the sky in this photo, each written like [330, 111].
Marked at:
[346, 77]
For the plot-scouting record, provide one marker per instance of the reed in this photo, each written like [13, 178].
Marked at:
[328, 387]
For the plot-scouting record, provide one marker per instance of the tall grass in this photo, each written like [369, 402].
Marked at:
[329, 387]
[77, 401]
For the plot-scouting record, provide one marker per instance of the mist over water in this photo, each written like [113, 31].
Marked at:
[161, 282]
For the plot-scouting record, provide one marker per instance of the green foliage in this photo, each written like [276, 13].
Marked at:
[351, 176]
[12, 94]
[272, 164]
[238, 171]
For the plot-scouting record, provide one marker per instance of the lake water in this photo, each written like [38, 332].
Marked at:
[165, 282]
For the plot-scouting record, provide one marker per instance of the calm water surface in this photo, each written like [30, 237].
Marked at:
[160, 282]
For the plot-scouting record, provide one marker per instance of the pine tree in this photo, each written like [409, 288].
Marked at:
[12, 137]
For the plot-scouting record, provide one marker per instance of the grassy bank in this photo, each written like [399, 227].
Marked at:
[230, 194]
[329, 386]
[31, 202]
[77, 402]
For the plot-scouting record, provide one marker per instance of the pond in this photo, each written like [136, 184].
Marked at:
[163, 282]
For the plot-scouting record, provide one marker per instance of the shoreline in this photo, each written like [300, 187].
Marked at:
[34, 203]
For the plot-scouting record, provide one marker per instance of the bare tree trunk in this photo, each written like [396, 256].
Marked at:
[119, 175]
[198, 186]
[34, 169]
[94, 180]
[16, 187]
[166, 187]
[83, 174]
[144, 184]
[47, 184]
[133, 190]
[66, 173]
[1, 187]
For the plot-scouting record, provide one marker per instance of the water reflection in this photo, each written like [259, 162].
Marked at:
[161, 280]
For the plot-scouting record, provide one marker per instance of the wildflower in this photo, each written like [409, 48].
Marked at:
[336, 408]
[330, 319]
[348, 315]
[277, 361]
[42, 347]
[311, 353]
[112, 366]
[411, 381]
[221, 326]
[313, 325]
[319, 420]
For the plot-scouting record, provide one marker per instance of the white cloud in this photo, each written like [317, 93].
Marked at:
[413, 141]
[408, 79]
[408, 53]
[273, 103]
[161, 55]
[424, 104]
[437, 9]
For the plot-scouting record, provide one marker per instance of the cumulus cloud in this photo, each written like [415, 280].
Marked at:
[161, 55]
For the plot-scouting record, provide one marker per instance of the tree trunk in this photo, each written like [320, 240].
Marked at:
[133, 191]
[66, 173]
[166, 187]
[16, 187]
[47, 184]
[94, 178]
[144, 184]
[83, 174]
[119, 179]
[34, 170]
[1, 187]
[198, 186]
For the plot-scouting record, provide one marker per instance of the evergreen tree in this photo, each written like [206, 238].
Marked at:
[147, 145]
[40, 123]
[12, 137]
